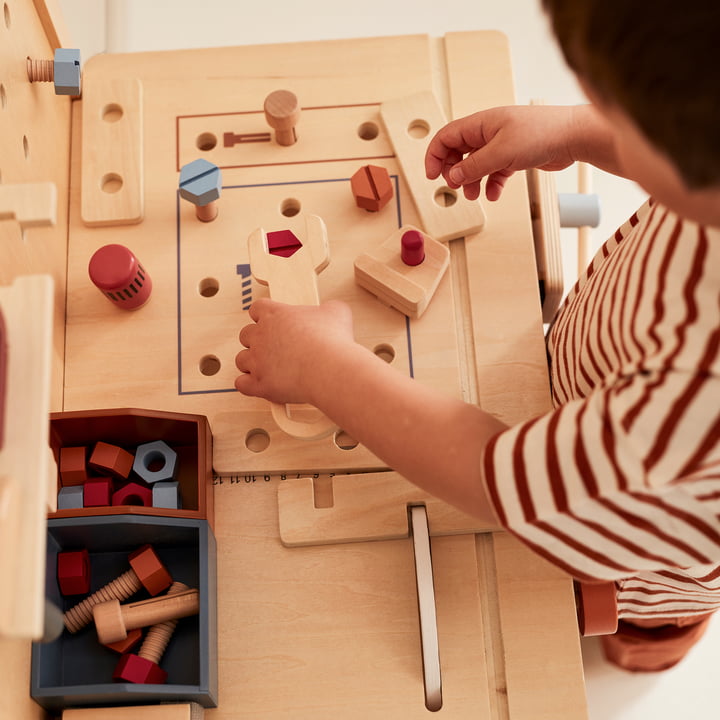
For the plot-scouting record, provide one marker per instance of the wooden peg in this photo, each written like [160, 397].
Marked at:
[282, 112]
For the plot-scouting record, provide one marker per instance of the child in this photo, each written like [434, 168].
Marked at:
[621, 480]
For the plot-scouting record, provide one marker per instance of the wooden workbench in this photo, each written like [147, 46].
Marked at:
[327, 630]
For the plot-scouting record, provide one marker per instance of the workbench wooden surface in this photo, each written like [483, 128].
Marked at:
[329, 630]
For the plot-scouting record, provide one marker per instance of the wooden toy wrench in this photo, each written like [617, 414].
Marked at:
[293, 280]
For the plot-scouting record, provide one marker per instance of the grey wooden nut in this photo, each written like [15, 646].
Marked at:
[157, 453]
[67, 71]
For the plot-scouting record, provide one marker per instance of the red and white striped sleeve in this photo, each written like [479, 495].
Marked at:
[623, 477]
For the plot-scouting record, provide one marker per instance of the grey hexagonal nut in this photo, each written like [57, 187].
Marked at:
[200, 182]
[67, 71]
[157, 453]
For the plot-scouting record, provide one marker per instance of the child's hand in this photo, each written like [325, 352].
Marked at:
[496, 143]
[289, 347]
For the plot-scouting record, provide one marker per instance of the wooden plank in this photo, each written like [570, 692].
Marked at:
[112, 149]
[24, 472]
[169, 711]
[368, 506]
[29, 204]
[444, 213]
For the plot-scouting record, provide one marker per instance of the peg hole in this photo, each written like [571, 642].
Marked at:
[368, 131]
[111, 183]
[112, 113]
[209, 365]
[257, 440]
[418, 129]
[445, 197]
[290, 207]
[208, 287]
[6, 15]
[3, 97]
[26, 147]
[206, 141]
[385, 352]
[344, 441]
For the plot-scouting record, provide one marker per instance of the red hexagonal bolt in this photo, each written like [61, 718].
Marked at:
[371, 187]
[146, 570]
[144, 667]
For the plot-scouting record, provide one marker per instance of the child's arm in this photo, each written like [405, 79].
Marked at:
[308, 354]
[496, 143]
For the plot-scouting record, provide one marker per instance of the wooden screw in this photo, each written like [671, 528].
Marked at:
[150, 573]
[113, 620]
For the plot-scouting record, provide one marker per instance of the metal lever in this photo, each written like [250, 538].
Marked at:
[426, 606]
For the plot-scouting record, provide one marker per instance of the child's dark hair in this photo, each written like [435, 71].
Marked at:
[657, 60]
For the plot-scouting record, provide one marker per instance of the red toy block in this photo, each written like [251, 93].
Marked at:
[372, 187]
[118, 274]
[73, 572]
[135, 669]
[147, 566]
[133, 494]
[125, 646]
[112, 459]
[98, 492]
[73, 470]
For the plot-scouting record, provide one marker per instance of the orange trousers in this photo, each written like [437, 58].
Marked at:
[653, 645]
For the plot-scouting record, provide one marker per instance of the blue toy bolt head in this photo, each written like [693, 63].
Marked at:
[200, 182]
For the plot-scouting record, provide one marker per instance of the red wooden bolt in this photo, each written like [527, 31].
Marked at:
[412, 249]
[120, 276]
[144, 667]
[146, 570]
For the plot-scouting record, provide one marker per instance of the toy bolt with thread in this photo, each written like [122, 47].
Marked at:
[63, 71]
[144, 667]
[146, 571]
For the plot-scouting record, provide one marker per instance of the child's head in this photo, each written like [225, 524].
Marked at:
[657, 61]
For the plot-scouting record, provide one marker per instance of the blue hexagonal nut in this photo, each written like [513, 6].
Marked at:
[67, 71]
[200, 182]
[155, 462]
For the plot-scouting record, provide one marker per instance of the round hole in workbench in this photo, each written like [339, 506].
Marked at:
[418, 129]
[385, 352]
[209, 365]
[111, 183]
[368, 131]
[112, 113]
[257, 440]
[445, 197]
[3, 97]
[6, 14]
[344, 441]
[208, 287]
[290, 207]
[206, 141]
[26, 147]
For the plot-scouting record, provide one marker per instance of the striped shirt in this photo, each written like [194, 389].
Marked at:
[621, 480]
